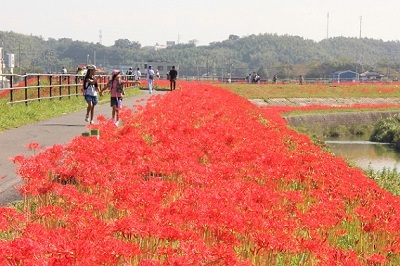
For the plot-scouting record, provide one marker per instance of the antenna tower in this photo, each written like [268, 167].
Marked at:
[100, 37]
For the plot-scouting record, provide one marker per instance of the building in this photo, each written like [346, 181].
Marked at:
[158, 46]
[371, 76]
[345, 76]
[170, 43]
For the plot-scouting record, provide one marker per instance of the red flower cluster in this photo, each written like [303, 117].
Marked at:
[197, 176]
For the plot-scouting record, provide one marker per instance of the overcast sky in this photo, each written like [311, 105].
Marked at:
[158, 21]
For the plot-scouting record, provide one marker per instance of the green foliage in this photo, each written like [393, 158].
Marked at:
[388, 179]
[287, 56]
[386, 130]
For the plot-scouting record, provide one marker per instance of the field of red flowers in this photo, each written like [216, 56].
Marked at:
[198, 176]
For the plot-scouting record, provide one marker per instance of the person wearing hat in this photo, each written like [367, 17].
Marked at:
[150, 78]
[90, 89]
[117, 92]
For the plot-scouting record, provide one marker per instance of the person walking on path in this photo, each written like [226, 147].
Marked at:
[90, 89]
[172, 77]
[117, 92]
[150, 78]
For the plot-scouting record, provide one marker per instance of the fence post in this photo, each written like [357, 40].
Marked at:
[69, 88]
[76, 86]
[26, 89]
[51, 88]
[11, 89]
[38, 89]
[60, 83]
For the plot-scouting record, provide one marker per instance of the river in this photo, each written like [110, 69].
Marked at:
[365, 154]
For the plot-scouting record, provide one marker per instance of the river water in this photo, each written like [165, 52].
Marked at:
[365, 154]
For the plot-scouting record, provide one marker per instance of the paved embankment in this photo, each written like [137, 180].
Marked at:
[58, 130]
[324, 101]
[332, 119]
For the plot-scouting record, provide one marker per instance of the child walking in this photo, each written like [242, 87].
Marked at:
[117, 92]
[90, 89]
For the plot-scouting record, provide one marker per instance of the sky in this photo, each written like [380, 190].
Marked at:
[206, 21]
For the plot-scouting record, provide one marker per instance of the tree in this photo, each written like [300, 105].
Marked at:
[193, 42]
[126, 44]
[233, 37]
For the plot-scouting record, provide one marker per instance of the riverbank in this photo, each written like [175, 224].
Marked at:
[323, 101]
[332, 124]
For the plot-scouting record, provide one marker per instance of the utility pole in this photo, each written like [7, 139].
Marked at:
[327, 26]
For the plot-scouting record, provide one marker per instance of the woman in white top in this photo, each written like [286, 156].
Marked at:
[90, 89]
[150, 78]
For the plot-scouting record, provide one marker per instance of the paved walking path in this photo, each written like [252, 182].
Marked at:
[58, 130]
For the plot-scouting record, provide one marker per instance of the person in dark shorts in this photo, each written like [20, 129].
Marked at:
[90, 89]
[117, 92]
[173, 74]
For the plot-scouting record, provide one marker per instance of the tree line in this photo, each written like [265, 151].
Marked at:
[268, 54]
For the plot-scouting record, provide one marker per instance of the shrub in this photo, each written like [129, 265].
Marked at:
[386, 130]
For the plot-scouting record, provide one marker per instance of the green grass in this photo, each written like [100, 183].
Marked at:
[388, 179]
[19, 114]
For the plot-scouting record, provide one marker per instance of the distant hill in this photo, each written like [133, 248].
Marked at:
[269, 54]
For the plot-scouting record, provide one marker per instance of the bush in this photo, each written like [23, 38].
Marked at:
[386, 130]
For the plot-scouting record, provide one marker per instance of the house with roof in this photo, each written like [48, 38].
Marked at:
[371, 76]
[345, 76]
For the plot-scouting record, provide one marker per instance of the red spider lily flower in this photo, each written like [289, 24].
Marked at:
[197, 176]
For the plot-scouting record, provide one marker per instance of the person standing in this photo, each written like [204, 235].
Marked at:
[173, 74]
[248, 78]
[275, 79]
[150, 78]
[64, 71]
[137, 74]
[90, 89]
[117, 92]
[129, 73]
